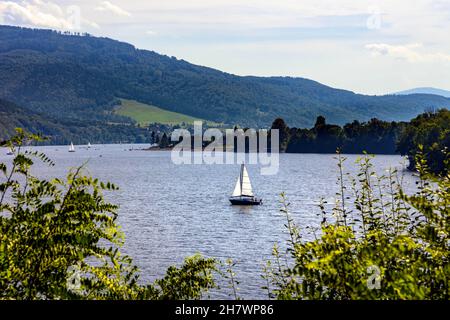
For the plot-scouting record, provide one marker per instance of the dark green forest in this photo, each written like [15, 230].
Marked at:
[428, 133]
[80, 77]
[432, 132]
[59, 131]
[374, 136]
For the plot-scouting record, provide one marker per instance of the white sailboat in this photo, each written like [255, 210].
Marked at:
[243, 193]
[89, 145]
[71, 148]
[10, 152]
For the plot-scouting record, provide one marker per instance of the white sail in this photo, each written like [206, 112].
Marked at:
[89, 144]
[71, 148]
[237, 188]
[246, 188]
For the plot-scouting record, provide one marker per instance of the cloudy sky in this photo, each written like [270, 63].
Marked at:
[372, 47]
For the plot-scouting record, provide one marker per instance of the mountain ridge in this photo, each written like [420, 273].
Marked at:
[82, 77]
[425, 90]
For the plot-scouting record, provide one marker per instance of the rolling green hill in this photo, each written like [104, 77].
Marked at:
[62, 132]
[145, 114]
[75, 77]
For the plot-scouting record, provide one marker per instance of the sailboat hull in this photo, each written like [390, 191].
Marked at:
[245, 201]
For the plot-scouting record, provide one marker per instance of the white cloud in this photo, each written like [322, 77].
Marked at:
[109, 7]
[410, 52]
[319, 39]
[37, 13]
[45, 14]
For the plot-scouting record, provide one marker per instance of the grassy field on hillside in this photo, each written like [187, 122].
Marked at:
[145, 114]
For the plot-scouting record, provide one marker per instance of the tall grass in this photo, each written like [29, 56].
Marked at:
[376, 243]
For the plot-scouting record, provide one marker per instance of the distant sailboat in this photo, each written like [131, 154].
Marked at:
[71, 148]
[243, 193]
[10, 152]
[89, 145]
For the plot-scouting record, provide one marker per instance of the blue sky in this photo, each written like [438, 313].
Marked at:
[372, 47]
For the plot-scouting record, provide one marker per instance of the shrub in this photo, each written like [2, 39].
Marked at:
[383, 245]
[60, 240]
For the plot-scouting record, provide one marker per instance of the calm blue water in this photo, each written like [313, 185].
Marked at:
[171, 211]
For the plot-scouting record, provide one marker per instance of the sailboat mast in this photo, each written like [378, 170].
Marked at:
[241, 175]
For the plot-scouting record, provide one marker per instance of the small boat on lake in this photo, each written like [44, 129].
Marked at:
[89, 145]
[10, 152]
[71, 148]
[243, 193]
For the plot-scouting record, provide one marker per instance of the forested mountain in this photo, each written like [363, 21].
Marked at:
[64, 131]
[81, 77]
[435, 91]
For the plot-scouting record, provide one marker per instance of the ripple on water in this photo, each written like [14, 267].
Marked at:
[169, 212]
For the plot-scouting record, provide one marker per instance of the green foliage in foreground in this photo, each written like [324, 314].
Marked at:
[59, 240]
[383, 244]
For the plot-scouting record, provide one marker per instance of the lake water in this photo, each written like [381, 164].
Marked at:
[170, 211]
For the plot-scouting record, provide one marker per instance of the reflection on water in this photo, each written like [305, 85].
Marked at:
[243, 209]
[171, 211]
